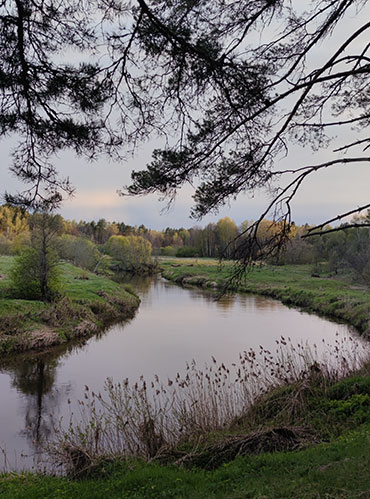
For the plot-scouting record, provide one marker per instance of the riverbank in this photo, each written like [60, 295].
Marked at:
[90, 303]
[293, 285]
[310, 439]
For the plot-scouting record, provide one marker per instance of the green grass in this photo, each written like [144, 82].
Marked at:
[334, 470]
[334, 413]
[291, 284]
[90, 303]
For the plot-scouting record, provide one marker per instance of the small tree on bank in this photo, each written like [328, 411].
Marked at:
[35, 275]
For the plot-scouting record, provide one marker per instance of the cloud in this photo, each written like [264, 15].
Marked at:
[95, 198]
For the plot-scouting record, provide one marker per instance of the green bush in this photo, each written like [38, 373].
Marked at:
[34, 277]
[5, 246]
[168, 251]
[132, 253]
[350, 386]
[356, 407]
[187, 252]
[78, 250]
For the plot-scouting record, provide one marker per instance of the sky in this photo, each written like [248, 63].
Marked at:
[323, 196]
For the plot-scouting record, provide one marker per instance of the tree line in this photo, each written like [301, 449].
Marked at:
[82, 241]
[104, 246]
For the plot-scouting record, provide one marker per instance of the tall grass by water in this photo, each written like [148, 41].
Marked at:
[150, 418]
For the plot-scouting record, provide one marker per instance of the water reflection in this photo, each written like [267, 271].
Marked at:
[173, 326]
[33, 377]
[228, 301]
[141, 284]
[210, 296]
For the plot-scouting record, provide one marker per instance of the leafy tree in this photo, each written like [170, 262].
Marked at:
[298, 251]
[351, 252]
[169, 251]
[36, 276]
[82, 252]
[187, 252]
[226, 232]
[36, 273]
[5, 246]
[13, 221]
[209, 241]
[14, 229]
[131, 252]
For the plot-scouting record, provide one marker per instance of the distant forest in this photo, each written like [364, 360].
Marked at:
[101, 245]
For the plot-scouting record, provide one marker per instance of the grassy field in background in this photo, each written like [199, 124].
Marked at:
[89, 303]
[292, 284]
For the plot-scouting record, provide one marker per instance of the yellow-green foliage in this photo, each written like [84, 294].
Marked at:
[131, 252]
[13, 221]
[81, 251]
[14, 230]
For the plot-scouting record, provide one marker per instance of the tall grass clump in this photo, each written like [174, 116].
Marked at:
[147, 419]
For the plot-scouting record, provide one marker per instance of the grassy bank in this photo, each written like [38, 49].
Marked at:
[329, 456]
[309, 437]
[322, 472]
[89, 304]
[291, 284]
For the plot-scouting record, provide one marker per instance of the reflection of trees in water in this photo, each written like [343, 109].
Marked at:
[40, 404]
[224, 302]
[34, 376]
[228, 300]
[259, 302]
[140, 283]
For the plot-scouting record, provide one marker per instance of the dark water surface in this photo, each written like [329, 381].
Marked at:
[172, 326]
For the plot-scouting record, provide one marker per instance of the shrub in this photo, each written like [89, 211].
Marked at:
[168, 251]
[5, 246]
[187, 252]
[35, 276]
[78, 250]
[132, 253]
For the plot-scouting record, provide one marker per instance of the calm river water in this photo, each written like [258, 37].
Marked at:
[172, 326]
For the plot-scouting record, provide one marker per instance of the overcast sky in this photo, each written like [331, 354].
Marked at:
[322, 197]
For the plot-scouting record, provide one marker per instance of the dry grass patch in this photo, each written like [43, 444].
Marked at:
[41, 338]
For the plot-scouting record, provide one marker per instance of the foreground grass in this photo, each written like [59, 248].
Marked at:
[332, 470]
[90, 302]
[337, 468]
[291, 284]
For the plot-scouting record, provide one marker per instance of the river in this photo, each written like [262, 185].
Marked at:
[172, 326]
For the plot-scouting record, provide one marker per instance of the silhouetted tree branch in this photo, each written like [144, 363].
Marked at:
[229, 86]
